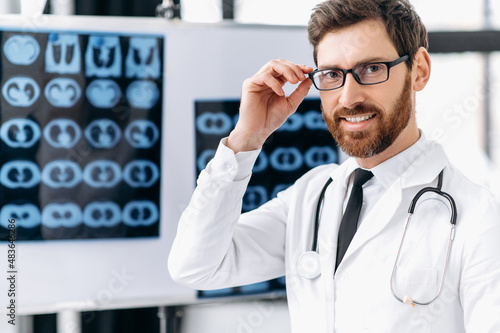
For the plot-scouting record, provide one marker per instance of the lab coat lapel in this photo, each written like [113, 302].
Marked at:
[332, 214]
[377, 219]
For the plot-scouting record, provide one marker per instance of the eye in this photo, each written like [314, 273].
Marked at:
[332, 75]
[372, 68]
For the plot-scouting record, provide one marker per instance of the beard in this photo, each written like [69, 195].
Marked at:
[376, 139]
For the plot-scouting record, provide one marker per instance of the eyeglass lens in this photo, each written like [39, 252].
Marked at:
[365, 74]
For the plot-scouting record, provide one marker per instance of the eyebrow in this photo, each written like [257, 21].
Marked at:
[362, 62]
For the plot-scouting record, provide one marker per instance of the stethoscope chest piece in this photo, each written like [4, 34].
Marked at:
[308, 265]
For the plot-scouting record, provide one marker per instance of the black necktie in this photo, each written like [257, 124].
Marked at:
[349, 223]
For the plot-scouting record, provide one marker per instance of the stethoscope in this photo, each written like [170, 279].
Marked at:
[309, 266]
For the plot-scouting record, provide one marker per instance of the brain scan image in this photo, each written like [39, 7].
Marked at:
[140, 213]
[313, 120]
[103, 133]
[292, 124]
[57, 215]
[21, 91]
[286, 159]
[81, 132]
[103, 93]
[142, 134]
[62, 54]
[20, 133]
[103, 57]
[26, 215]
[141, 173]
[61, 174]
[142, 94]
[143, 58]
[62, 92]
[19, 174]
[62, 133]
[316, 156]
[102, 214]
[214, 123]
[102, 174]
[21, 49]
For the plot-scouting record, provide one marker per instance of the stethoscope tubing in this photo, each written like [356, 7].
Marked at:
[318, 211]
[453, 220]
[312, 255]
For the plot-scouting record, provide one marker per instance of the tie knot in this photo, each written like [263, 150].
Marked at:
[361, 176]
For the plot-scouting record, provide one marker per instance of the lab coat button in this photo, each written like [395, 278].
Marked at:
[229, 167]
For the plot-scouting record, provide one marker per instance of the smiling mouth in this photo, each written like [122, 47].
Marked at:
[359, 119]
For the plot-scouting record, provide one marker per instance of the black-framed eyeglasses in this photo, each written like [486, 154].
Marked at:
[366, 74]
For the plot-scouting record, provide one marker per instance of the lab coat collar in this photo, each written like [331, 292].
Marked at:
[391, 170]
[426, 167]
[341, 174]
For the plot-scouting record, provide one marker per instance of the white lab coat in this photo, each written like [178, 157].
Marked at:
[215, 247]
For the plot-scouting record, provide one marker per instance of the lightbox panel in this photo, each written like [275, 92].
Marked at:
[80, 134]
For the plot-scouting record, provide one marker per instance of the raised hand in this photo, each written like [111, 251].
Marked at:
[264, 106]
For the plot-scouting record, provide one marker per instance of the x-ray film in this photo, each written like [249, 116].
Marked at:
[300, 144]
[80, 134]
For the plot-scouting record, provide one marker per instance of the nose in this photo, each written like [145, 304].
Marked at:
[351, 93]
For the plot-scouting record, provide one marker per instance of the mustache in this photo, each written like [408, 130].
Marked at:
[342, 112]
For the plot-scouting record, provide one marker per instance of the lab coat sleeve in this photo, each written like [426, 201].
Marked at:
[216, 246]
[480, 280]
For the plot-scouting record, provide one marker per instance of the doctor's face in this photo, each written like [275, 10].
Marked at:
[365, 119]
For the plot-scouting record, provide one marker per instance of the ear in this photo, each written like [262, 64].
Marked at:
[421, 69]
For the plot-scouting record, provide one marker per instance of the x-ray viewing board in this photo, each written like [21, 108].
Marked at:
[99, 116]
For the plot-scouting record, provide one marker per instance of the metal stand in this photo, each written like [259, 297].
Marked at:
[170, 318]
[168, 9]
[26, 324]
[69, 322]
[66, 7]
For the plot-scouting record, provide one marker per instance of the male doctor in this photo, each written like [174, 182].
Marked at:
[372, 59]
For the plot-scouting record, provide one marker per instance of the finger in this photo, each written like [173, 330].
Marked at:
[306, 69]
[263, 81]
[301, 71]
[282, 80]
[299, 94]
[297, 69]
[291, 72]
[275, 84]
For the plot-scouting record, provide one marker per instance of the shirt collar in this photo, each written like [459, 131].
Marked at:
[389, 171]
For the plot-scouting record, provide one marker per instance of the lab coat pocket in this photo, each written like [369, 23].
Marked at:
[394, 316]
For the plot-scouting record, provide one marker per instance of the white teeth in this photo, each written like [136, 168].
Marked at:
[356, 120]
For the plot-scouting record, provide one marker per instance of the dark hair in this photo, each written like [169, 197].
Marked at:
[403, 25]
